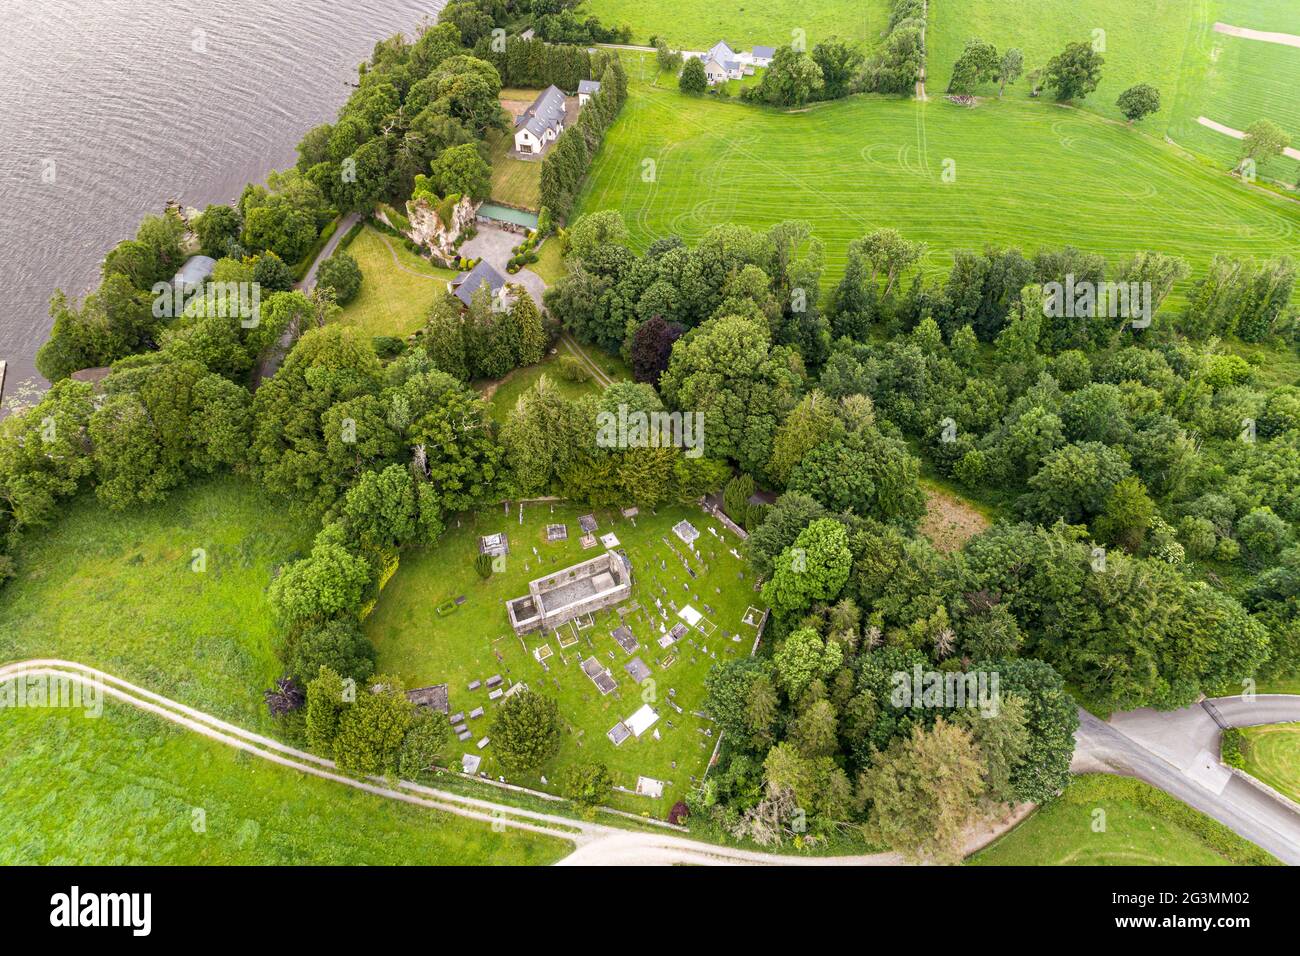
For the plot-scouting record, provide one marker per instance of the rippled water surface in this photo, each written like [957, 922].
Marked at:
[125, 104]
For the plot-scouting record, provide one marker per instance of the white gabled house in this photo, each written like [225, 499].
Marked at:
[722, 63]
[542, 122]
[586, 90]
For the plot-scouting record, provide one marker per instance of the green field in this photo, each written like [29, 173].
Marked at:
[117, 592]
[1236, 81]
[123, 790]
[691, 25]
[1272, 755]
[1142, 826]
[1143, 42]
[1027, 173]
[397, 286]
[475, 641]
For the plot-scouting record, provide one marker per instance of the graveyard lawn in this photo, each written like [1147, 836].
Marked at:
[474, 640]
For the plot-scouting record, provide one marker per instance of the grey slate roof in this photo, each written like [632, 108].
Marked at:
[764, 52]
[195, 271]
[467, 283]
[720, 52]
[547, 112]
[588, 86]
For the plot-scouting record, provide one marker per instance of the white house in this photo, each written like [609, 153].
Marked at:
[586, 90]
[722, 63]
[542, 122]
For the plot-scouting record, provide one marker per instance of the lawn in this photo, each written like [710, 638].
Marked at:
[397, 286]
[117, 591]
[1236, 81]
[124, 789]
[692, 25]
[474, 641]
[1027, 173]
[504, 393]
[1141, 826]
[1143, 42]
[515, 182]
[1272, 755]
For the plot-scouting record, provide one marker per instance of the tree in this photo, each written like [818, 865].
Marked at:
[1074, 72]
[595, 231]
[218, 229]
[693, 80]
[669, 60]
[652, 345]
[425, 743]
[811, 422]
[371, 729]
[1002, 737]
[1138, 101]
[444, 337]
[325, 705]
[839, 62]
[814, 569]
[804, 657]
[461, 171]
[1051, 718]
[528, 336]
[526, 731]
[341, 273]
[792, 79]
[337, 645]
[1264, 139]
[735, 496]
[1074, 482]
[331, 581]
[1127, 515]
[977, 64]
[922, 792]
[1009, 68]
[586, 784]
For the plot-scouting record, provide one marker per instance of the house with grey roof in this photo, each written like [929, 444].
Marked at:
[542, 122]
[722, 63]
[586, 90]
[466, 284]
[194, 273]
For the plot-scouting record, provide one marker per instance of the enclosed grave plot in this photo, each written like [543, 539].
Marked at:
[599, 675]
[686, 531]
[495, 545]
[588, 523]
[625, 638]
[637, 669]
[541, 653]
[642, 720]
[618, 733]
[567, 636]
[557, 532]
[588, 541]
[609, 540]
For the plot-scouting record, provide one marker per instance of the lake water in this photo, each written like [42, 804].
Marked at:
[108, 108]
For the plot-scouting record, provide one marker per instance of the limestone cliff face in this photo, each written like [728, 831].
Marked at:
[438, 226]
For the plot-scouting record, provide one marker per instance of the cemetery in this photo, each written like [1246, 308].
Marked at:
[627, 660]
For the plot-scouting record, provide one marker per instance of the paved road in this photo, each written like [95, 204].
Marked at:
[1246, 809]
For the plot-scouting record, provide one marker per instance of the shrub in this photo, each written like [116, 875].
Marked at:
[735, 497]
[571, 369]
[483, 565]
[1233, 747]
[388, 346]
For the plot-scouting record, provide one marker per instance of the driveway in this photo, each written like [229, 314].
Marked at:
[493, 245]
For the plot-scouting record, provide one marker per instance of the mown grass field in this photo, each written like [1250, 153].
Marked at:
[1142, 42]
[1272, 755]
[1137, 826]
[475, 640]
[692, 25]
[1236, 81]
[395, 292]
[117, 591]
[124, 789]
[1025, 173]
